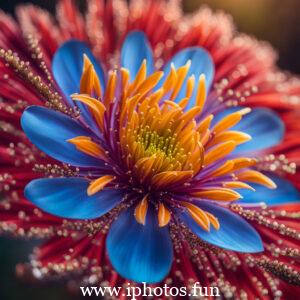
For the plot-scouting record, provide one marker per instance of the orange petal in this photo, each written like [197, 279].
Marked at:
[198, 215]
[190, 114]
[171, 80]
[204, 124]
[201, 93]
[164, 215]
[86, 145]
[140, 211]
[190, 86]
[89, 81]
[256, 177]
[220, 194]
[219, 152]
[149, 83]
[235, 136]
[237, 185]
[181, 74]
[99, 184]
[110, 88]
[96, 107]
[243, 162]
[230, 120]
[224, 169]
[166, 178]
[139, 78]
[213, 220]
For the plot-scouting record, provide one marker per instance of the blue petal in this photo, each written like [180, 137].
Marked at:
[201, 63]
[50, 130]
[234, 234]
[140, 253]
[67, 198]
[284, 193]
[135, 49]
[265, 127]
[67, 67]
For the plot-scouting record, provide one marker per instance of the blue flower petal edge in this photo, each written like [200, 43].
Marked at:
[68, 198]
[50, 130]
[234, 233]
[137, 252]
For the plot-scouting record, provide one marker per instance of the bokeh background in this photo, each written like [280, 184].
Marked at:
[272, 20]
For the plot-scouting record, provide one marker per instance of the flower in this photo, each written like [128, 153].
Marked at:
[157, 151]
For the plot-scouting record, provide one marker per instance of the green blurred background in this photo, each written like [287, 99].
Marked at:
[275, 21]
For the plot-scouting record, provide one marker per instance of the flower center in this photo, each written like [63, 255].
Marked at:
[161, 145]
[153, 143]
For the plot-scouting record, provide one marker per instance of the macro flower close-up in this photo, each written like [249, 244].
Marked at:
[144, 145]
